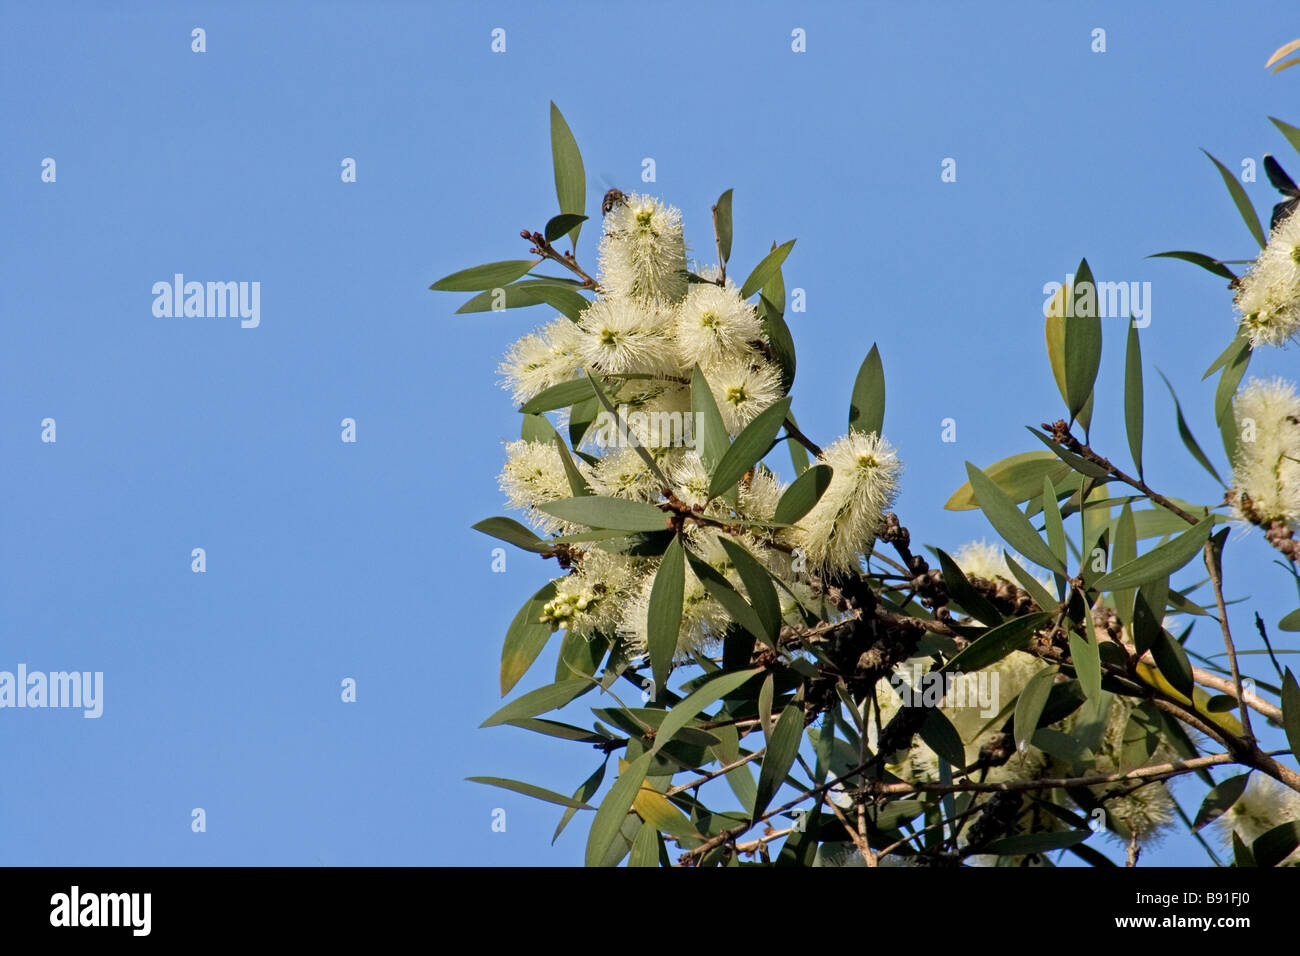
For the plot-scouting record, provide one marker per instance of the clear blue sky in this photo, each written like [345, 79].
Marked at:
[328, 560]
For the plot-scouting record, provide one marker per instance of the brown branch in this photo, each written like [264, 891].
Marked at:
[1212, 565]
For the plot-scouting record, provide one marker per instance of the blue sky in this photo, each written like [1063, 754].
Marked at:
[328, 560]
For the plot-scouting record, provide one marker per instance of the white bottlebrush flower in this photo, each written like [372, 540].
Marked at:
[541, 359]
[642, 251]
[591, 598]
[759, 496]
[984, 560]
[627, 336]
[844, 523]
[1266, 473]
[1268, 299]
[1265, 804]
[715, 325]
[624, 474]
[742, 388]
[534, 475]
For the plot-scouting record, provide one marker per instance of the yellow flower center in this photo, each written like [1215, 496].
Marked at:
[736, 395]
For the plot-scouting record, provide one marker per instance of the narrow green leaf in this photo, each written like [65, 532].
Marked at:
[1029, 707]
[722, 592]
[1220, 799]
[722, 216]
[1025, 843]
[867, 407]
[1133, 396]
[1241, 200]
[1020, 477]
[1208, 263]
[996, 643]
[1158, 562]
[1276, 845]
[750, 445]
[1082, 345]
[664, 618]
[615, 808]
[804, 492]
[493, 275]
[763, 271]
[1291, 711]
[559, 396]
[1087, 664]
[645, 848]
[512, 532]
[781, 751]
[1291, 133]
[711, 436]
[529, 790]
[941, 736]
[539, 701]
[758, 586]
[779, 340]
[704, 695]
[577, 484]
[623, 430]
[583, 793]
[1172, 661]
[525, 638]
[557, 226]
[570, 178]
[1009, 522]
[964, 593]
[617, 514]
[1042, 597]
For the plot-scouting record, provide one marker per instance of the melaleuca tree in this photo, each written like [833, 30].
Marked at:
[777, 674]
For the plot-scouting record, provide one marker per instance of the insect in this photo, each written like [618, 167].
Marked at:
[1286, 186]
[616, 196]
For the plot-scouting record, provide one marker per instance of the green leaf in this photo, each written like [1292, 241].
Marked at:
[1042, 597]
[617, 416]
[711, 436]
[512, 532]
[1276, 845]
[714, 688]
[559, 396]
[1159, 562]
[1009, 522]
[1172, 662]
[750, 445]
[1020, 477]
[539, 701]
[1290, 132]
[1219, 800]
[664, 618]
[758, 586]
[867, 407]
[1291, 711]
[1123, 551]
[1291, 622]
[557, 226]
[493, 275]
[618, 514]
[1026, 843]
[722, 216]
[1208, 263]
[1087, 664]
[1149, 612]
[528, 790]
[964, 593]
[1029, 707]
[525, 639]
[555, 728]
[645, 848]
[1226, 391]
[1133, 396]
[722, 592]
[615, 808]
[804, 492]
[941, 736]
[1242, 201]
[781, 751]
[996, 643]
[1082, 349]
[1241, 855]
[764, 270]
[570, 178]
[581, 415]
[1052, 522]
[568, 302]
[577, 484]
[779, 340]
[583, 793]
